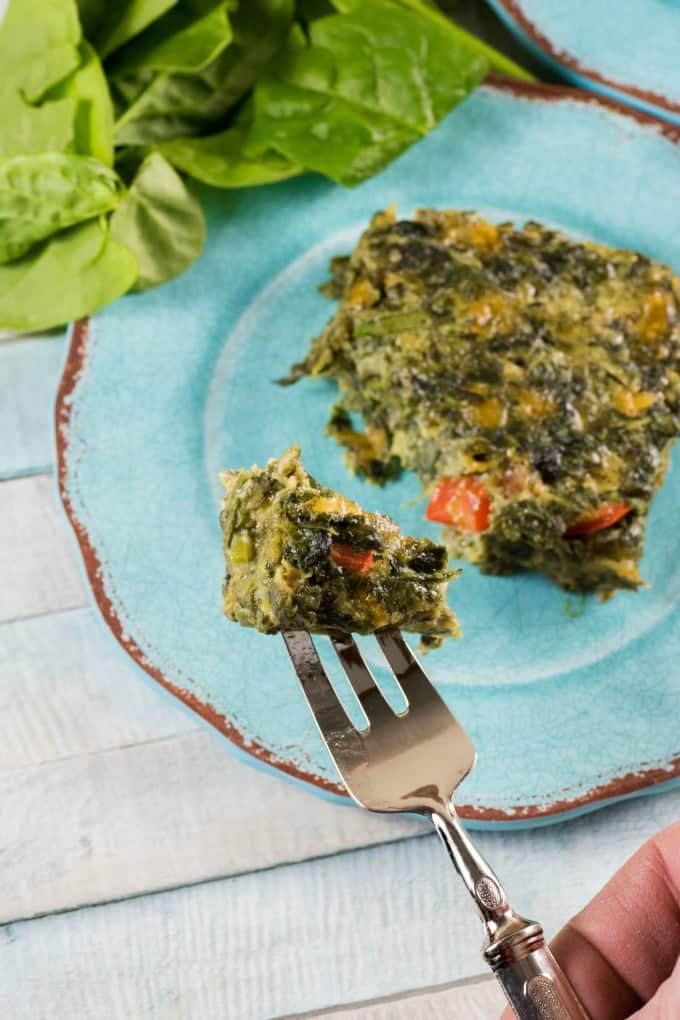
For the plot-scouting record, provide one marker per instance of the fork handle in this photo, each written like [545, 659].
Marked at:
[535, 985]
[515, 949]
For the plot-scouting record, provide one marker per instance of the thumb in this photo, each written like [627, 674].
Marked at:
[666, 1002]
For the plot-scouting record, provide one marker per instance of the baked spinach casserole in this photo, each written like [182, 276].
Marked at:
[531, 381]
[301, 555]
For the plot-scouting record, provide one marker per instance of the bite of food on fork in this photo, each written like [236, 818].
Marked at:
[302, 560]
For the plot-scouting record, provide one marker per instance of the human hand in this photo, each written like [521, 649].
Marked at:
[622, 951]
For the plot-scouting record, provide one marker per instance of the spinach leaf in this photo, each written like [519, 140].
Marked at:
[233, 93]
[192, 34]
[33, 59]
[38, 46]
[72, 274]
[220, 160]
[110, 24]
[497, 61]
[25, 128]
[423, 6]
[172, 104]
[369, 84]
[53, 93]
[91, 14]
[40, 195]
[126, 88]
[429, 9]
[93, 114]
[309, 10]
[159, 222]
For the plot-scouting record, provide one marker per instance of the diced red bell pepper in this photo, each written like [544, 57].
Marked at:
[462, 502]
[601, 517]
[357, 561]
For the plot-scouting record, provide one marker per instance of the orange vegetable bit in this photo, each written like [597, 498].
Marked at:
[601, 517]
[462, 502]
[357, 561]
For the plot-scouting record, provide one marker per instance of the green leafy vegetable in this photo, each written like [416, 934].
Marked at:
[497, 61]
[92, 14]
[93, 114]
[309, 10]
[34, 129]
[368, 85]
[220, 160]
[72, 274]
[171, 104]
[40, 195]
[429, 9]
[110, 24]
[159, 222]
[32, 60]
[38, 46]
[189, 36]
[96, 95]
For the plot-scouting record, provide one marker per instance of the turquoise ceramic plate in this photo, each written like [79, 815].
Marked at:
[569, 705]
[628, 50]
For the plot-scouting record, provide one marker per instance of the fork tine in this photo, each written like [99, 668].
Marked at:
[410, 675]
[335, 727]
[360, 677]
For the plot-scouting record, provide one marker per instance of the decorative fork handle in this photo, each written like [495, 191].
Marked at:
[515, 949]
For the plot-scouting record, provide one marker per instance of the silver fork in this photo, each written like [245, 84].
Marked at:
[413, 762]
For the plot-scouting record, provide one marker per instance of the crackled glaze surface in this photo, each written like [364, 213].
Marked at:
[627, 50]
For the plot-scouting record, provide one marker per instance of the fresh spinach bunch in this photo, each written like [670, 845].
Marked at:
[107, 106]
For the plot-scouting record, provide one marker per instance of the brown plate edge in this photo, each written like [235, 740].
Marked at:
[614, 789]
[516, 12]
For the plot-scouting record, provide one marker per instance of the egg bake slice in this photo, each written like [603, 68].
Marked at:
[301, 555]
[531, 381]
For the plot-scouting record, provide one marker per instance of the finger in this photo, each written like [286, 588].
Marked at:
[666, 1003]
[620, 948]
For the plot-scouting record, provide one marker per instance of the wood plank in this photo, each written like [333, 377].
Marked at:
[172, 812]
[473, 999]
[93, 755]
[67, 689]
[258, 946]
[29, 373]
[302, 938]
[38, 564]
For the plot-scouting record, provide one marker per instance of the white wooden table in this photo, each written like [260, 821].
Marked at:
[146, 873]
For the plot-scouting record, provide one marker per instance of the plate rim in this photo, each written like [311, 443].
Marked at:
[648, 778]
[514, 17]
